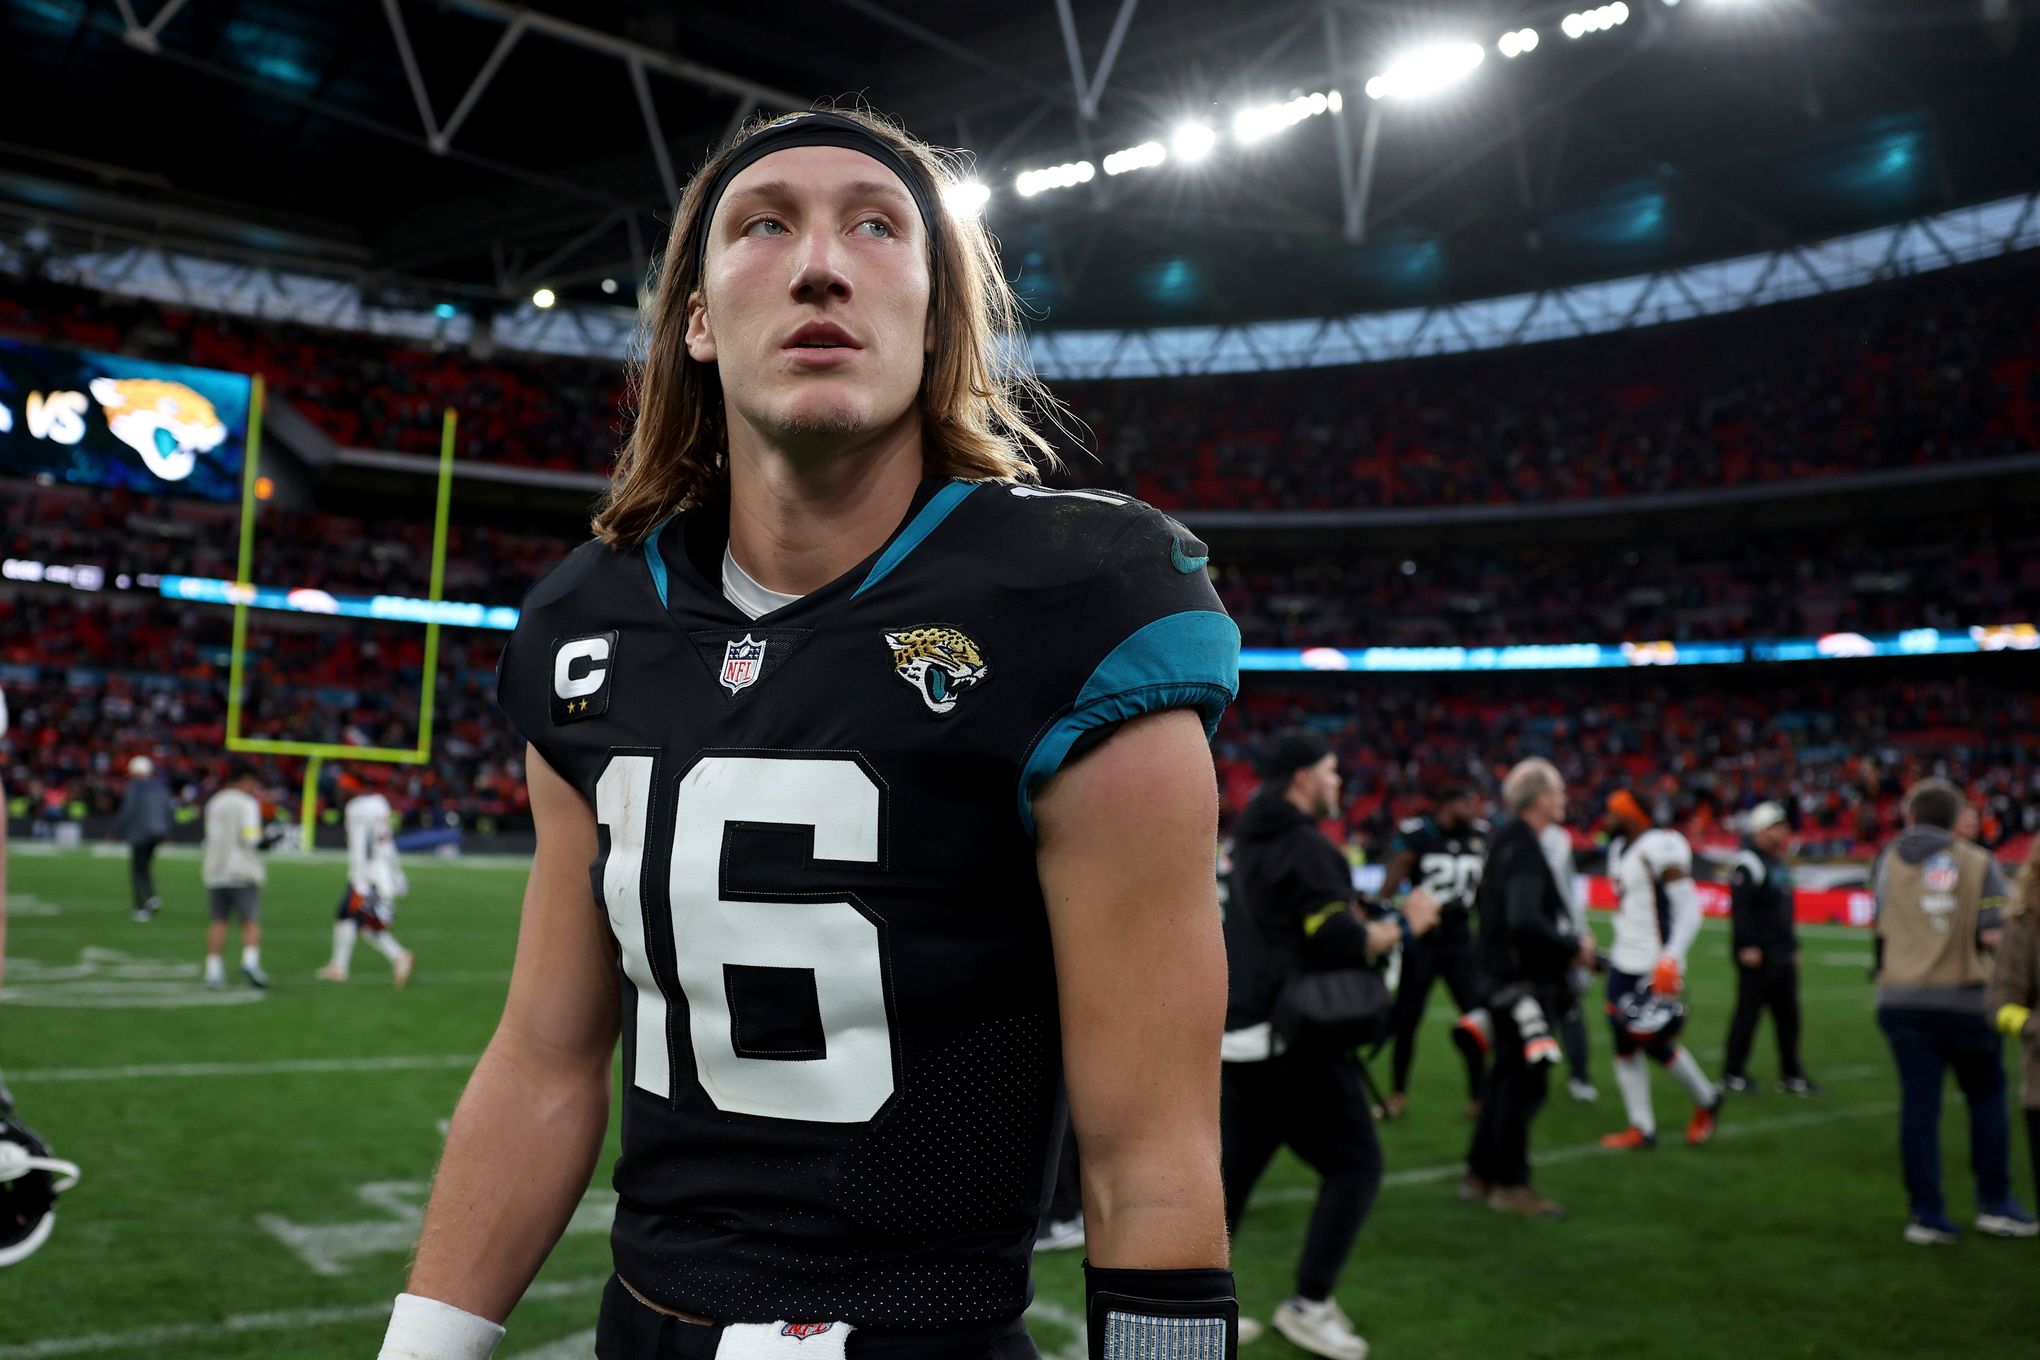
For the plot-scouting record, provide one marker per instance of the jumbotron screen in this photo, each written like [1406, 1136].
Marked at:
[105, 420]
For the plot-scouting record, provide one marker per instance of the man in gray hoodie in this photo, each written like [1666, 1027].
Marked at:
[144, 822]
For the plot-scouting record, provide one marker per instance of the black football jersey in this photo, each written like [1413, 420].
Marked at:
[1448, 862]
[839, 1006]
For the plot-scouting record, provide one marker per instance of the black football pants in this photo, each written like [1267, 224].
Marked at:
[628, 1330]
[1314, 1101]
[1772, 985]
[1441, 954]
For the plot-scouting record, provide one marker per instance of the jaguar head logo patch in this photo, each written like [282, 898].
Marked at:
[939, 662]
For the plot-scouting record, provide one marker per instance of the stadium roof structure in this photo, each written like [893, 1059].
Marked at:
[458, 155]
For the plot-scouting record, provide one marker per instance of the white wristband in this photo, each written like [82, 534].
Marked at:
[426, 1329]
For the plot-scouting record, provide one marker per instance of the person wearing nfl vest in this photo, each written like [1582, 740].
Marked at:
[1291, 912]
[874, 803]
[2015, 993]
[1940, 908]
[1764, 941]
[1528, 947]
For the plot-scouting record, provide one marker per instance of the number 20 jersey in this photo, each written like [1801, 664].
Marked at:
[838, 998]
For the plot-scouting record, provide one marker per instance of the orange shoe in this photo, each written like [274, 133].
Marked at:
[1629, 1140]
[1705, 1122]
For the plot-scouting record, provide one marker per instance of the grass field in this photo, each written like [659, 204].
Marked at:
[255, 1167]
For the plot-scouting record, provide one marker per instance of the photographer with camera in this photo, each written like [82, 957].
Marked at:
[1304, 995]
[1528, 947]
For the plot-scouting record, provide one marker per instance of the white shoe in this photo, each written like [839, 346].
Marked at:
[1320, 1328]
[329, 973]
[1061, 1236]
[1582, 1091]
[1250, 1331]
[400, 971]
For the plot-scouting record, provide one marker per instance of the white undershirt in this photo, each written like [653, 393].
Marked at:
[746, 594]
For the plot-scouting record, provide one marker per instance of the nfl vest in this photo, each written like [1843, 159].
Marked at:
[1927, 918]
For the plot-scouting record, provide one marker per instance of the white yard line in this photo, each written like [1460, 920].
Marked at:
[31, 1075]
[293, 1321]
[1730, 1128]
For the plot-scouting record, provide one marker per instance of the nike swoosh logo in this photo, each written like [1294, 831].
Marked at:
[1186, 565]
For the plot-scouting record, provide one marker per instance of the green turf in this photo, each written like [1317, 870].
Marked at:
[1781, 1239]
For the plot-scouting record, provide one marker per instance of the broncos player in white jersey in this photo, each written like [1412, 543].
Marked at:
[374, 883]
[1657, 918]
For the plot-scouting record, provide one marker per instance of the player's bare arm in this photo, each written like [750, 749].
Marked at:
[1126, 842]
[529, 1126]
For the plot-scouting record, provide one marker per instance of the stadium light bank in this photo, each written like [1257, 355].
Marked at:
[1416, 74]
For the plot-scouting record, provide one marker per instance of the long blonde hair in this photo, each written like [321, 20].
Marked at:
[973, 402]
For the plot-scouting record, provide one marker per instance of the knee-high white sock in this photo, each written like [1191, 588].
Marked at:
[343, 944]
[1685, 1069]
[1632, 1079]
[386, 945]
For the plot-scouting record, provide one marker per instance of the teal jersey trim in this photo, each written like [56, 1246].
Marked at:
[656, 562]
[923, 524]
[1186, 660]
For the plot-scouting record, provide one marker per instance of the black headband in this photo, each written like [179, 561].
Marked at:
[815, 128]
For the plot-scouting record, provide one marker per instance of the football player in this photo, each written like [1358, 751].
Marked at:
[888, 772]
[1443, 853]
[374, 883]
[1657, 918]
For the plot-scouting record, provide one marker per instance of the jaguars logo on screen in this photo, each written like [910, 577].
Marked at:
[939, 662]
[167, 423]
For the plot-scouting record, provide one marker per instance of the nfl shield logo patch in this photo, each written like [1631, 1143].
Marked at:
[801, 1331]
[742, 663]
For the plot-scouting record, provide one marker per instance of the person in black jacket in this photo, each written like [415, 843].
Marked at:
[1290, 909]
[1766, 946]
[1527, 945]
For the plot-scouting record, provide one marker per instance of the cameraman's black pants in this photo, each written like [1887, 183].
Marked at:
[1500, 1154]
[1313, 1101]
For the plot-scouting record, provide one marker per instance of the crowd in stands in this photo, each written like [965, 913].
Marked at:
[92, 682]
[127, 532]
[1914, 372]
[1837, 746]
[1943, 572]
[1949, 572]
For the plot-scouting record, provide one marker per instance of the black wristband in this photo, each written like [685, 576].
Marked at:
[1151, 1302]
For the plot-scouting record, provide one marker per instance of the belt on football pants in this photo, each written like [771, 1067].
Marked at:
[661, 1308]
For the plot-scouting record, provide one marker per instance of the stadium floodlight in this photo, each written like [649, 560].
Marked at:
[1028, 183]
[1193, 142]
[966, 198]
[1140, 157]
[543, 298]
[1426, 70]
[1258, 122]
[609, 285]
[1517, 42]
[1594, 20]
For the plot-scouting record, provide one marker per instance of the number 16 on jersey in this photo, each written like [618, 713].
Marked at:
[820, 939]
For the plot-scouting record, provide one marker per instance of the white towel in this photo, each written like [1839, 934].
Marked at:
[783, 1341]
